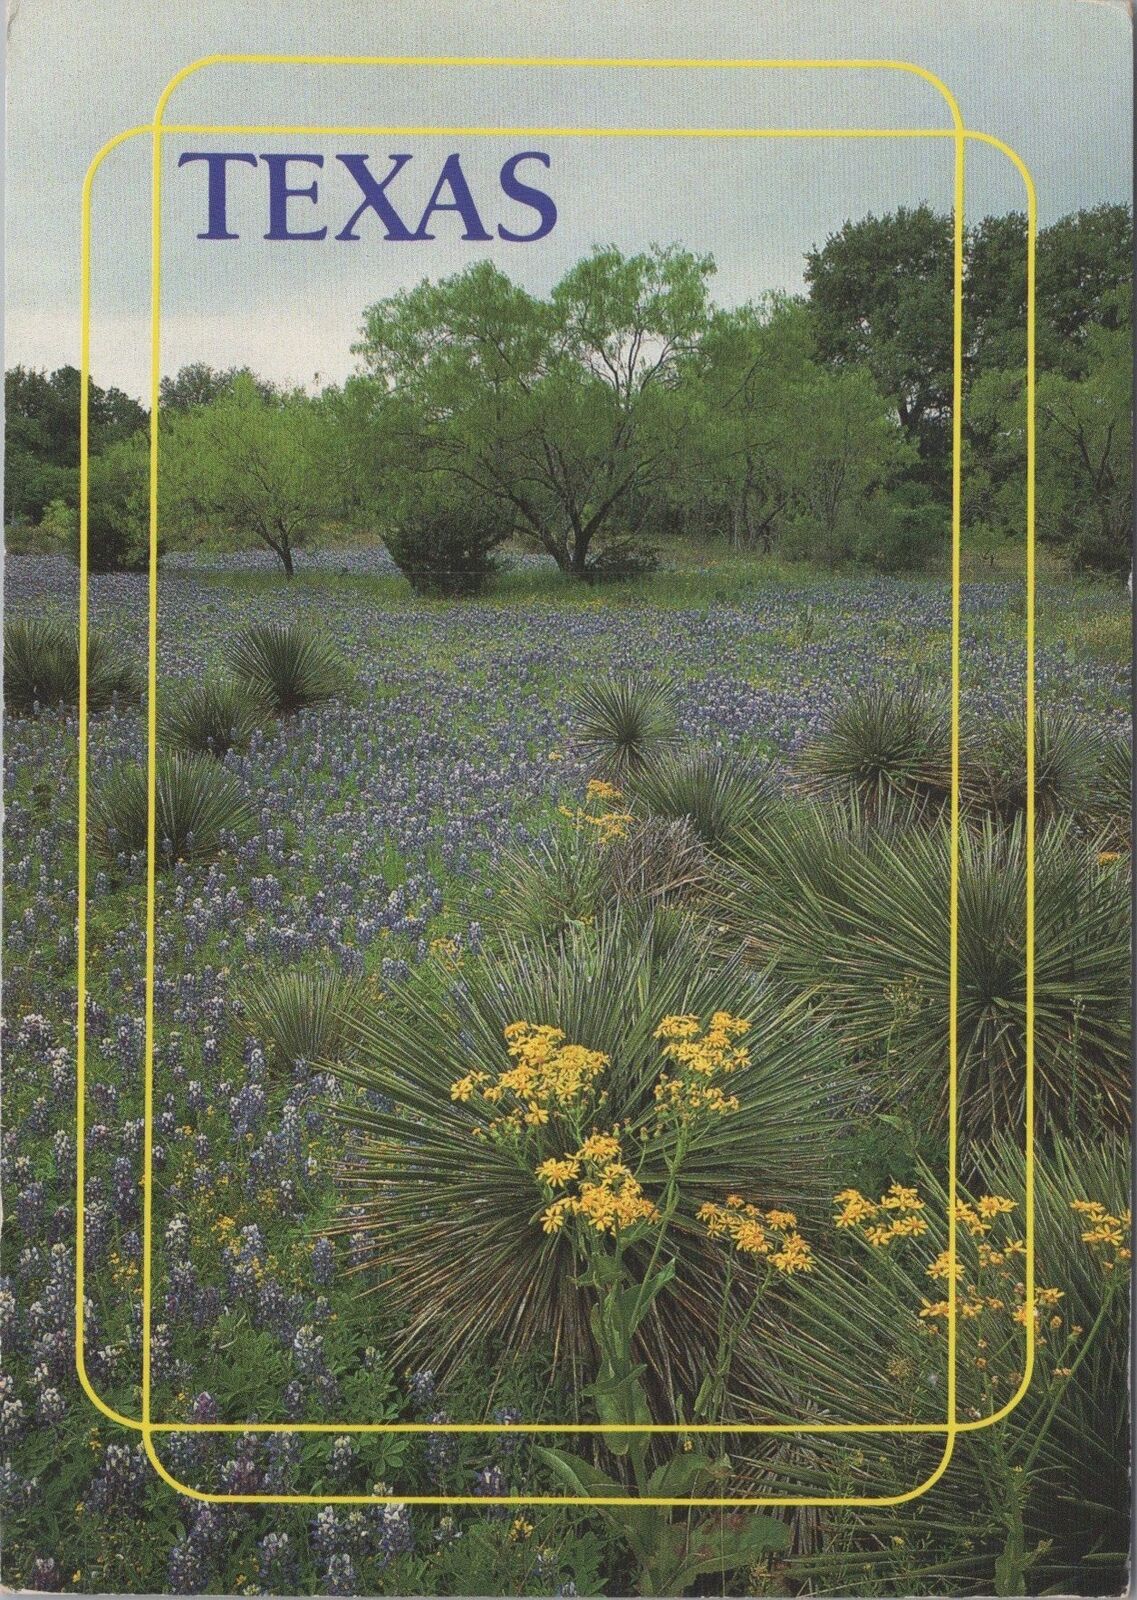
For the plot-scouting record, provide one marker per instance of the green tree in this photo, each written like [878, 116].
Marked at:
[41, 435]
[557, 410]
[199, 384]
[245, 467]
[118, 508]
[881, 294]
[1084, 455]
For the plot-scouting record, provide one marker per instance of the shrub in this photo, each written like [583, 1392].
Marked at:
[865, 1346]
[201, 808]
[884, 743]
[118, 508]
[540, 892]
[620, 724]
[565, 881]
[859, 920]
[41, 667]
[620, 560]
[211, 717]
[304, 1017]
[448, 550]
[660, 862]
[452, 1218]
[717, 794]
[1067, 753]
[1113, 789]
[287, 663]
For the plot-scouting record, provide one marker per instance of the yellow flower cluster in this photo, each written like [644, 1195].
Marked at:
[608, 824]
[546, 1073]
[771, 1234]
[978, 1218]
[1105, 1232]
[608, 1197]
[896, 1215]
[701, 1055]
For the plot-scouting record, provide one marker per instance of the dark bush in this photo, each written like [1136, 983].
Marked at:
[211, 717]
[287, 664]
[200, 809]
[41, 667]
[447, 550]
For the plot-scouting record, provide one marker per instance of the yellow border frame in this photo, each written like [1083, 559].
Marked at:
[157, 129]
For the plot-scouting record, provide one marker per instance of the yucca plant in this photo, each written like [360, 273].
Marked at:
[661, 861]
[858, 922]
[567, 879]
[1112, 800]
[620, 724]
[1067, 755]
[41, 667]
[540, 891]
[200, 808]
[448, 1221]
[718, 794]
[211, 717]
[304, 1017]
[883, 744]
[287, 663]
[1037, 1502]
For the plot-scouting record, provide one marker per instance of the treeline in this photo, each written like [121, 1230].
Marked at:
[626, 407]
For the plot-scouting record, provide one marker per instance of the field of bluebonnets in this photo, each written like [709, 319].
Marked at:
[428, 845]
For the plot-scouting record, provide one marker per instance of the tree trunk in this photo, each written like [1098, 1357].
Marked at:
[285, 553]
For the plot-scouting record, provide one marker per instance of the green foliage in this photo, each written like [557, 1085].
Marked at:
[247, 467]
[555, 410]
[286, 663]
[1067, 755]
[41, 667]
[452, 1223]
[718, 794]
[1030, 1502]
[573, 878]
[880, 291]
[884, 744]
[118, 509]
[1113, 789]
[41, 435]
[211, 716]
[200, 808]
[621, 724]
[856, 919]
[540, 892]
[304, 1017]
[445, 547]
[57, 525]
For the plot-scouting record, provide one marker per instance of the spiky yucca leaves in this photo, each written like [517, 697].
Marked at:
[862, 1352]
[858, 921]
[620, 724]
[1112, 800]
[883, 744]
[572, 878]
[200, 807]
[541, 891]
[41, 667]
[288, 663]
[303, 1016]
[449, 1223]
[717, 794]
[659, 862]
[1067, 754]
[211, 717]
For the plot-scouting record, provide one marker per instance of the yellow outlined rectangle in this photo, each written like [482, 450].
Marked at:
[952, 1425]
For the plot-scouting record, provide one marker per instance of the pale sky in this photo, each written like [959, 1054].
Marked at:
[1051, 77]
